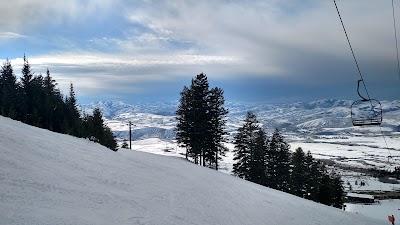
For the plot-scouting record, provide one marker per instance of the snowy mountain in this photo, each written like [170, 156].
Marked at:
[49, 178]
[323, 117]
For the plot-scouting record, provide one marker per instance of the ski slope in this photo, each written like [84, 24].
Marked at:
[49, 178]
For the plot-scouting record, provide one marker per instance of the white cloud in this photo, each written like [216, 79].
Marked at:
[20, 15]
[10, 35]
[94, 73]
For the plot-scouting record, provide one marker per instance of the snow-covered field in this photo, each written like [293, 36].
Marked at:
[48, 178]
[379, 211]
[360, 151]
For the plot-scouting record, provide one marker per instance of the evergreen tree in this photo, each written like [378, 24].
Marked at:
[337, 192]
[216, 123]
[74, 125]
[312, 177]
[109, 139]
[329, 188]
[199, 95]
[26, 92]
[52, 97]
[38, 101]
[258, 166]
[8, 91]
[184, 131]
[277, 163]
[325, 194]
[299, 173]
[200, 122]
[97, 131]
[246, 140]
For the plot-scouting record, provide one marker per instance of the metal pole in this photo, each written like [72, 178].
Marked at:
[130, 135]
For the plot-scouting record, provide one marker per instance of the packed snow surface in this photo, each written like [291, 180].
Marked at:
[380, 210]
[49, 178]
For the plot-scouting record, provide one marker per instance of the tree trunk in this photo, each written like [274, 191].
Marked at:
[216, 160]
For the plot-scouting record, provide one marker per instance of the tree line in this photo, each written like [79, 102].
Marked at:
[37, 101]
[201, 118]
[269, 162]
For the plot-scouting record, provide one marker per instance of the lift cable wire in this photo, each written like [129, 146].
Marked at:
[351, 48]
[359, 72]
[395, 36]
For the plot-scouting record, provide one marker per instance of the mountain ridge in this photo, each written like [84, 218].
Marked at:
[311, 118]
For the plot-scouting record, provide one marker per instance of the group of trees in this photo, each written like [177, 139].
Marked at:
[201, 118]
[36, 100]
[270, 163]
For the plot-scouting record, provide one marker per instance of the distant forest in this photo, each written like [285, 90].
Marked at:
[37, 101]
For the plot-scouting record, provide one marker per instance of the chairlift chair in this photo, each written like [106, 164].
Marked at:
[365, 112]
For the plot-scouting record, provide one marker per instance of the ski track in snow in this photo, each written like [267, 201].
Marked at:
[49, 178]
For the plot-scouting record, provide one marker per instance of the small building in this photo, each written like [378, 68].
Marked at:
[360, 198]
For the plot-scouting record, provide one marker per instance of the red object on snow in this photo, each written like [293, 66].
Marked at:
[391, 219]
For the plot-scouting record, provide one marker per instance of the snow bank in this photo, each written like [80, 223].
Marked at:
[48, 178]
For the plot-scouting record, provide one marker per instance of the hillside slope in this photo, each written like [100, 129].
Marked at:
[49, 178]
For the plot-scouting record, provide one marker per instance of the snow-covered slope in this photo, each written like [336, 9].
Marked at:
[49, 178]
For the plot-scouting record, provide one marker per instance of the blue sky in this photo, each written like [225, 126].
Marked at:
[267, 50]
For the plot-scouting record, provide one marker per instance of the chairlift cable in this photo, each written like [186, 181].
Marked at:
[359, 72]
[398, 69]
[395, 36]
[351, 48]
[387, 147]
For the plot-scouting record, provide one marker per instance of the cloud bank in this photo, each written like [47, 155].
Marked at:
[294, 49]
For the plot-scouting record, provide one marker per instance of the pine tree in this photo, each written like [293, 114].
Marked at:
[216, 122]
[245, 148]
[199, 94]
[299, 173]
[200, 122]
[325, 194]
[52, 95]
[73, 116]
[184, 131]
[96, 130]
[38, 101]
[26, 93]
[277, 163]
[96, 122]
[258, 165]
[109, 139]
[8, 91]
[312, 175]
[337, 192]
[329, 188]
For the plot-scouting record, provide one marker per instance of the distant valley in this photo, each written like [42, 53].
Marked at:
[323, 127]
[323, 117]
